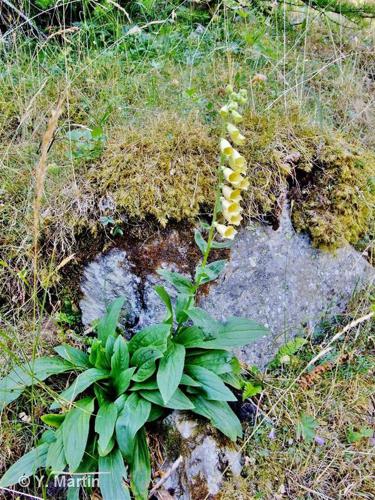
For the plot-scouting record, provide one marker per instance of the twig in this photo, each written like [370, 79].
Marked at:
[21, 493]
[161, 481]
[25, 18]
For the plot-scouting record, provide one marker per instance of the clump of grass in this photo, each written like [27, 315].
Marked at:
[279, 461]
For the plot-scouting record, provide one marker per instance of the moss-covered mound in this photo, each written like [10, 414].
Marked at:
[165, 168]
[330, 182]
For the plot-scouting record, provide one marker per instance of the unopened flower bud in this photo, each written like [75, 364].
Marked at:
[229, 89]
[224, 112]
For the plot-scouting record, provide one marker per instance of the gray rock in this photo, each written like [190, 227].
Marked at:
[107, 277]
[278, 279]
[204, 458]
[274, 277]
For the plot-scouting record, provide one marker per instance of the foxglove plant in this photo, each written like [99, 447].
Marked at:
[97, 424]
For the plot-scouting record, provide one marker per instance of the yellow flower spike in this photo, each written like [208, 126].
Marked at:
[227, 232]
[224, 112]
[233, 219]
[237, 161]
[226, 147]
[235, 134]
[236, 117]
[244, 184]
[231, 207]
[232, 194]
[234, 178]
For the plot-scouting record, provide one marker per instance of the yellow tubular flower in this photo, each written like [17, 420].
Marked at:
[234, 219]
[236, 117]
[234, 178]
[230, 206]
[227, 232]
[235, 134]
[232, 194]
[226, 147]
[237, 161]
[244, 184]
[224, 112]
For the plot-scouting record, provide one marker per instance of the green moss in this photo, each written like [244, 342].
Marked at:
[329, 180]
[164, 168]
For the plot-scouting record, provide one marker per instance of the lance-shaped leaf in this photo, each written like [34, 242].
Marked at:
[237, 332]
[80, 384]
[212, 384]
[145, 359]
[73, 355]
[164, 295]
[26, 466]
[108, 324]
[220, 416]
[132, 417]
[75, 432]
[170, 370]
[218, 361]
[182, 284]
[105, 422]
[177, 402]
[112, 475]
[140, 468]
[155, 336]
[56, 456]
[12, 386]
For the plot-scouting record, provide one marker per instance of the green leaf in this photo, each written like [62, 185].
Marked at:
[112, 474]
[170, 370]
[26, 466]
[237, 332]
[56, 456]
[288, 349]
[108, 324]
[73, 355]
[105, 422]
[210, 272]
[145, 358]
[182, 284]
[183, 304]
[306, 428]
[120, 356]
[155, 413]
[13, 385]
[76, 431]
[355, 436]
[186, 380]
[212, 384]
[148, 385]
[80, 384]
[251, 390]
[177, 402]
[98, 355]
[122, 381]
[232, 379]
[109, 348]
[164, 295]
[221, 244]
[220, 416]
[155, 336]
[192, 337]
[218, 361]
[53, 420]
[132, 417]
[203, 320]
[200, 241]
[140, 468]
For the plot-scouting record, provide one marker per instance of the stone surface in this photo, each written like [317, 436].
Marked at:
[280, 280]
[274, 277]
[204, 459]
